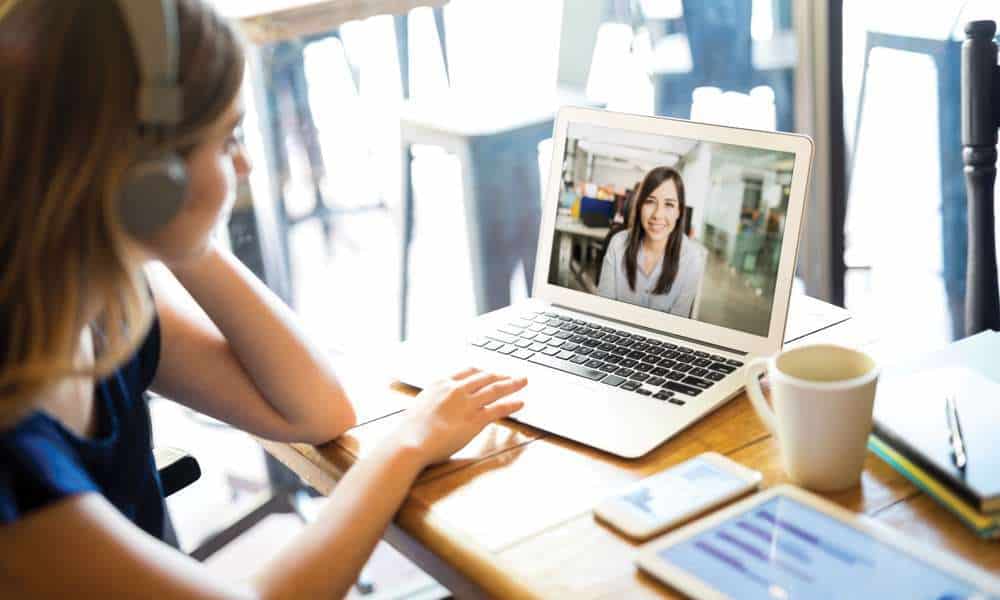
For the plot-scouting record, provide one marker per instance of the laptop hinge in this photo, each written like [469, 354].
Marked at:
[656, 331]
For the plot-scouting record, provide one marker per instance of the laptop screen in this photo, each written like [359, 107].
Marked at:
[676, 225]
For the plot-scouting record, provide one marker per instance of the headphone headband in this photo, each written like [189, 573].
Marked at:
[153, 29]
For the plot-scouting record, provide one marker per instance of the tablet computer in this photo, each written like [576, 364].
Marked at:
[788, 543]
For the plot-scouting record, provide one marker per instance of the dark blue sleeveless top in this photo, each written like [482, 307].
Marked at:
[42, 462]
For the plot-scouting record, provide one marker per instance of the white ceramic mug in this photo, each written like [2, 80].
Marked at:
[822, 397]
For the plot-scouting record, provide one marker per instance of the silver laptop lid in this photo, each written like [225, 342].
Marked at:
[718, 208]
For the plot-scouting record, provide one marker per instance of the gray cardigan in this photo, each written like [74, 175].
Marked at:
[679, 299]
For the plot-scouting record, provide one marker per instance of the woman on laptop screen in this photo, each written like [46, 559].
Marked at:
[653, 263]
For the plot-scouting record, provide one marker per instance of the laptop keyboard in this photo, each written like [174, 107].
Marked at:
[646, 366]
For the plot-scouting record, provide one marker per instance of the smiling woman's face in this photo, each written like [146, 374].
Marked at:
[659, 211]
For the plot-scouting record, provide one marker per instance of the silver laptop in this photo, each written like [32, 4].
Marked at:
[644, 312]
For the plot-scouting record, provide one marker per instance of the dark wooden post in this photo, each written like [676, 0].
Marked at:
[980, 121]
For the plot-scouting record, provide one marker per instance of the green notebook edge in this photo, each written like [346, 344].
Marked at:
[984, 526]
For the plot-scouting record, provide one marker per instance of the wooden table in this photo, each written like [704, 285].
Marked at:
[510, 515]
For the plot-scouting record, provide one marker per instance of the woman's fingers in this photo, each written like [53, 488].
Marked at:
[477, 381]
[464, 373]
[499, 410]
[494, 391]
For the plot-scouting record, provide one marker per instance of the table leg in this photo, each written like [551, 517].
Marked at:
[406, 235]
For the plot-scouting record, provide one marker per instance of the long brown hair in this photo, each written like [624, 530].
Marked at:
[68, 134]
[672, 252]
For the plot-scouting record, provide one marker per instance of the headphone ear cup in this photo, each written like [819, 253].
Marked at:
[153, 194]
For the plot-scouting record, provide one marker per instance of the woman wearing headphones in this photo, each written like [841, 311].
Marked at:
[653, 263]
[114, 153]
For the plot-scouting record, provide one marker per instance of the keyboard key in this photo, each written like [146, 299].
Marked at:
[537, 327]
[599, 335]
[684, 389]
[584, 350]
[657, 350]
[563, 335]
[698, 382]
[608, 367]
[675, 375]
[643, 391]
[568, 367]
[630, 385]
[550, 331]
[594, 364]
[639, 376]
[502, 337]
[701, 354]
[638, 338]
[565, 355]
[656, 381]
[677, 401]
[628, 362]
[607, 347]
[637, 355]
[578, 339]
[529, 335]
[536, 347]
[626, 343]
[666, 363]
[654, 342]
[663, 395]
[522, 343]
[579, 359]
[682, 368]
[613, 359]
[543, 338]
[721, 367]
[717, 358]
[624, 372]
[644, 367]
[579, 322]
[673, 354]
[669, 345]
[493, 346]
[551, 314]
[684, 358]
[599, 354]
[702, 362]
[734, 363]
[556, 343]
[715, 376]
[613, 380]
[699, 372]
[659, 371]
[480, 342]
[569, 346]
[550, 351]
[524, 354]
[507, 349]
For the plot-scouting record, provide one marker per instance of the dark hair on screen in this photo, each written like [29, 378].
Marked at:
[672, 252]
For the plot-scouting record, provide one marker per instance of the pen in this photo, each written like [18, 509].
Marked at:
[955, 434]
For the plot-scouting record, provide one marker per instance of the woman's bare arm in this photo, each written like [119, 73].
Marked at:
[250, 363]
[97, 552]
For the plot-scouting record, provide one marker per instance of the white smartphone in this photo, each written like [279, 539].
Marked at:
[669, 498]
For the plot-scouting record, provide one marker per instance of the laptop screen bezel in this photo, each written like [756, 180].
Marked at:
[799, 145]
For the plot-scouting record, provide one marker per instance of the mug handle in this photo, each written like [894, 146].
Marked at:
[754, 371]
